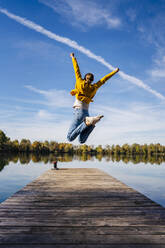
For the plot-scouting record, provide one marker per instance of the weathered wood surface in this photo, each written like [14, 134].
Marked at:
[80, 208]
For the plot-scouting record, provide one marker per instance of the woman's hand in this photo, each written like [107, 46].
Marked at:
[72, 55]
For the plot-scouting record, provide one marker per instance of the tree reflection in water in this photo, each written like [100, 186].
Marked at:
[25, 158]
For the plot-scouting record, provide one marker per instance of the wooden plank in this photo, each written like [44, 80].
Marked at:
[64, 209]
[84, 221]
[83, 246]
[101, 230]
[77, 238]
[83, 212]
[80, 208]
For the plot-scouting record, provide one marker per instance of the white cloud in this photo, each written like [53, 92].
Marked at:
[44, 114]
[83, 13]
[158, 70]
[133, 119]
[82, 49]
[152, 30]
[54, 98]
[131, 13]
[142, 124]
[37, 130]
[38, 124]
[138, 122]
[118, 126]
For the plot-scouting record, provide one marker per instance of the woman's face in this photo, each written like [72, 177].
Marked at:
[89, 78]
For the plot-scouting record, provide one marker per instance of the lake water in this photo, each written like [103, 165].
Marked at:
[149, 179]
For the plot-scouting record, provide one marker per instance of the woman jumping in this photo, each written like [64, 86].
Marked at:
[84, 91]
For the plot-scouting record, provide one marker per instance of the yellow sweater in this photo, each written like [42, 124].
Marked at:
[86, 91]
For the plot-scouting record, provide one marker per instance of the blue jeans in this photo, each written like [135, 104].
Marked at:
[78, 126]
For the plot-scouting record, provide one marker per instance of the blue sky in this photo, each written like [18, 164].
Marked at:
[36, 71]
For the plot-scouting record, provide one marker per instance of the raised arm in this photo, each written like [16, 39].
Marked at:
[76, 67]
[105, 78]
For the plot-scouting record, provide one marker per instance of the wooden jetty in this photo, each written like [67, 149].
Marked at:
[80, 208]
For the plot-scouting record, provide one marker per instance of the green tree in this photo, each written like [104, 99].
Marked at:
[25, 145]
[4, 140]
[99, 149]
[15, 145]
[36, 146]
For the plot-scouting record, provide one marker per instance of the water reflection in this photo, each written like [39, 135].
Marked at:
[139, 172]
[25, 158]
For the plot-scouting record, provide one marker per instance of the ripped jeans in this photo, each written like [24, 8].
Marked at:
[78, 126]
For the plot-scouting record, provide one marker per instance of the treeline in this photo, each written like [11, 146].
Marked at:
[46, 147]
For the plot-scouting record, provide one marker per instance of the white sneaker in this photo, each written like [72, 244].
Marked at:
[93, 120]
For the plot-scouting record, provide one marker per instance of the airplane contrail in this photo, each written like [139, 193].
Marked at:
[80, 48]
